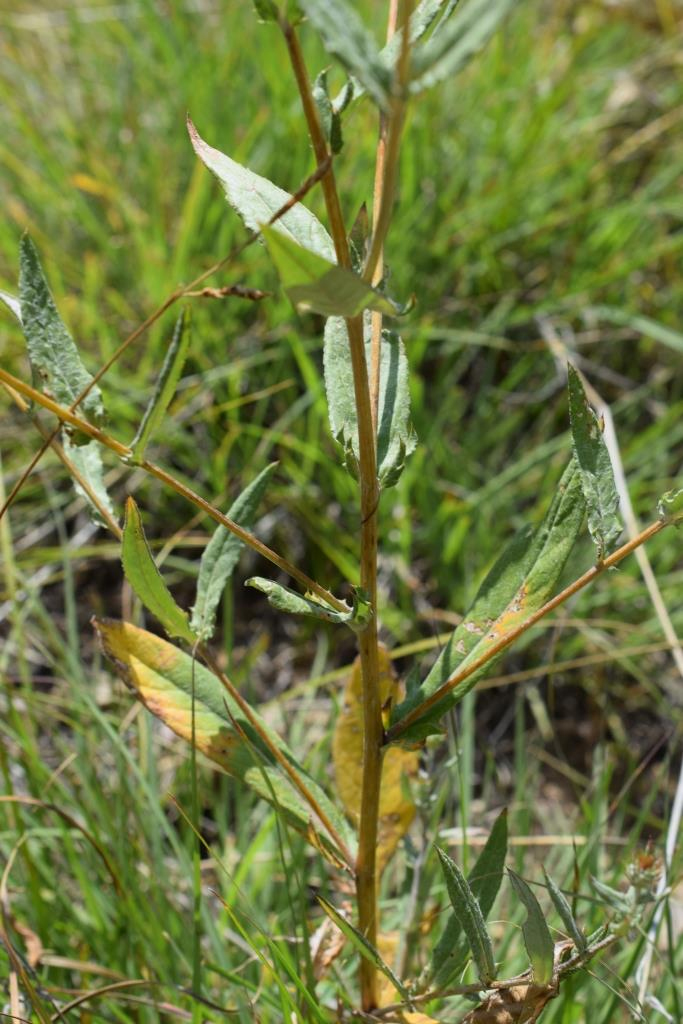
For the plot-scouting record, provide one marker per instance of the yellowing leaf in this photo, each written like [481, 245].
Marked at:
[396, 810]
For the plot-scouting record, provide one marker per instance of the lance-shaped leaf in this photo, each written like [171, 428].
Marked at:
[222, 553]
[452, 950]
[468, 913]
[613, 897]
[314, 284]
[565, 911]
[448, 50]
[166, 681]
[537, 937]
[256, 199]
[286, 600]
[395, 436]
[396, 808]
[146, 580]
[670, 507]
[12, 303]
[597, 477]
[521, 581]
[56, 365]
[87, 459]
[166, 385]
[345, 36]
[362, 945]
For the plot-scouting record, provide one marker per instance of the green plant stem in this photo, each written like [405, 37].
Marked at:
[124, 453]
[399, 728]
[373, 732]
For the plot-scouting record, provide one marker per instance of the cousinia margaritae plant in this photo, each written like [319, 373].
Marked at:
[337, 272]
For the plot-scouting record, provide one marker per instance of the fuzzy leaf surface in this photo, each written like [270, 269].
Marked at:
[521, 581]
[452, 950]
[314, 284]
[256, 199]
[87, 459]
[166, 385]
[565, 911]
[670, 507]
[55, 363]
[146, 580]
[468, 912]
[286, 600]
[222, 553]
[396, 809]
[164, 679]
[396, 438]
[597, 476]
[537, 937]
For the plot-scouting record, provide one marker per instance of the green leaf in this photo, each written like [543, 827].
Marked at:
[330, 119]
[315, 284]
[471, 919]
[222, 554]
[12, 304]
[537, 937]
[565, 911]
[87, 459]
[145, 579]
[447, 51]
[597, 477]
[266, 10]
[286, 600]
[55, 362]
[670, 507]
[362, 945]
[612, 897]
[452, 950]
[395, 437]
[522, 580]
[256, 199]
[166, 681]
[165, 388]
[345, 37]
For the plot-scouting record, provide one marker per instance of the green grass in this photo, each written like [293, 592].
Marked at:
[538, 192]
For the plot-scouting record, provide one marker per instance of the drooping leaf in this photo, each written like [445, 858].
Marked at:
[448, 50]
[222, 553]
[314, 284]
[396, 809]
[670, 507]
[87, 459]
[165, 679]
[597, 476]
[565, 911]
[522, 580]
[55, 363]
[146, 580]
[286, 600]
[361, 944]
[537, 937]
[256, 199]
[12, 303]
[395, 436]
[468, 912]
[169, 375]
[345, 37]
[452, 950]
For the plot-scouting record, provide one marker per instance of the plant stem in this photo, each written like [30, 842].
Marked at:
[366, 868]
[399, 728]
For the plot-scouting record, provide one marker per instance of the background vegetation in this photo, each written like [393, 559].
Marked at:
[539, 204]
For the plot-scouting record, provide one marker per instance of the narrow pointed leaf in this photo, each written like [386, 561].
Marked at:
[315, 284]
[396, 808]
[521, 581]
[396, 439]
[612, 897]
[256, 199]
[597, 476]
[537, 937]
[166, 680]
[361, 944]
[164, 391]
[471, 919]
[286, 600]
[12, 303]
[452, 950]
[565, 911]
[146, 580]
[56, 365]
[670, 507]
[87, 459]
[345, 36]
[222, 553]
[447, 51]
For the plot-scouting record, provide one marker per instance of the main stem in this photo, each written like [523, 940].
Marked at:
[373, 734]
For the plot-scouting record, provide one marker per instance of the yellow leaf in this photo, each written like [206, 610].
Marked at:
[396, 810]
